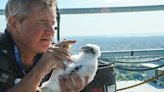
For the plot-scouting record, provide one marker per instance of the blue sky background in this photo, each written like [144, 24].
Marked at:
[115, 24]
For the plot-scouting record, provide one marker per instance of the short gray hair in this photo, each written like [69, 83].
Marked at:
[21, 9]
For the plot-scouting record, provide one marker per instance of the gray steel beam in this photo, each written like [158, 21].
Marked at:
[111, 9]
[1, 12]
[107, 9]
[155, 52]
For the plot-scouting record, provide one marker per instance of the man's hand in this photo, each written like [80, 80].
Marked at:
[66, 44]
[54, 57]
[72, 83]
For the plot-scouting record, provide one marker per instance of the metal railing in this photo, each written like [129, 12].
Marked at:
[106, 9]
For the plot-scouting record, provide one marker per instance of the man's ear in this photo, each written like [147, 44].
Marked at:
[12, 23]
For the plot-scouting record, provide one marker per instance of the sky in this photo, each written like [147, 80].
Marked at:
[115, 24]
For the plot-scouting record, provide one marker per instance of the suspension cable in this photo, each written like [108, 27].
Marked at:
[146, 81]
[137, 69]
[149, 61]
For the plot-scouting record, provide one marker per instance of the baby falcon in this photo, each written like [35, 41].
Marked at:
[84, 64]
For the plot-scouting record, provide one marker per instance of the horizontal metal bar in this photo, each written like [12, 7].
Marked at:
[111, 9]
[2, 11]
[106, 9]
[159, 52]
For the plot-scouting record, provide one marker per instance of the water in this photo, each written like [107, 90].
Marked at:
[113, 44]
[120, 43]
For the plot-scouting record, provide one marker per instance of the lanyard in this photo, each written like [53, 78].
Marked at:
[19, 61]
[21, 66]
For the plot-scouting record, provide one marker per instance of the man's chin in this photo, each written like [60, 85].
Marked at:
[42, 50]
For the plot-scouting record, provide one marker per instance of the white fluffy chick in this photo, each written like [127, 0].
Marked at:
[84, 64]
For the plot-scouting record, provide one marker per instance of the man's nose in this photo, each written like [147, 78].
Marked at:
[50, 30]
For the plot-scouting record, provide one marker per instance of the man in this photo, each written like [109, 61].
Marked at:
[26, 48]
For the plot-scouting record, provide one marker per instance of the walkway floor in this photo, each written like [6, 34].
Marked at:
[150, 87]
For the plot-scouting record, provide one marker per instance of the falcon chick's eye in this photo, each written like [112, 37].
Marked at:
[91, 50]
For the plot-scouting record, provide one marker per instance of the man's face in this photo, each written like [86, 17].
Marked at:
[37, 31]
